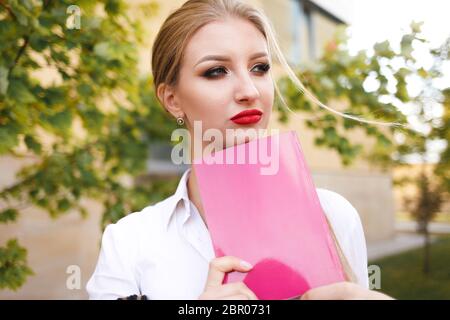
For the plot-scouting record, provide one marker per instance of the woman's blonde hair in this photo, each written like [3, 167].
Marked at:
[180, 25]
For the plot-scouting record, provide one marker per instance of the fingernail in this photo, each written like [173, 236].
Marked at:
[246, 264]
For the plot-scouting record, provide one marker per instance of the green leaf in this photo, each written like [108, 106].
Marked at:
[20, 93]
[423, 73]
[383, 141]
[416, 27]
[62, 120]
[33, 144]
[331, 135]
[383, 49]
[406, 46]
[63, 205]
[8, 215]
[113, 7]
[3, 80]
[84, 89]
[104, 50]
[402, 92]
[8, 137]
[14, 269]
[38, 43]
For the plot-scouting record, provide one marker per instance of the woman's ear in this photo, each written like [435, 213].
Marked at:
[166, 95]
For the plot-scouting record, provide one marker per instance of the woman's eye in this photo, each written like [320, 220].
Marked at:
[264, 67]
[213, 72]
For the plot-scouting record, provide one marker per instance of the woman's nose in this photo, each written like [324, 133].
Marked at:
[246, 89]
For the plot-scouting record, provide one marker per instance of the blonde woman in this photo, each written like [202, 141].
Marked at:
[211, 61]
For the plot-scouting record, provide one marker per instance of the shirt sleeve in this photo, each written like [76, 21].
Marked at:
[357, 252]
[113, 277]
[348, 229]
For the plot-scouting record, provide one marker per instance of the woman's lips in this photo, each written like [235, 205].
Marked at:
[247, 117]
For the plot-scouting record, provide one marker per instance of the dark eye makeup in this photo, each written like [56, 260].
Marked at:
[217, 71]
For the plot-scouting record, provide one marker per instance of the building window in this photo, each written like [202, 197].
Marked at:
[311, 33]
[297, 22]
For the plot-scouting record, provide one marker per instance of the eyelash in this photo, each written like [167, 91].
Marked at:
[209, 74]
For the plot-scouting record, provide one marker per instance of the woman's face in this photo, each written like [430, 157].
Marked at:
[213, 90]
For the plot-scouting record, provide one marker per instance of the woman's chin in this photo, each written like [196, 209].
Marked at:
[240, 139]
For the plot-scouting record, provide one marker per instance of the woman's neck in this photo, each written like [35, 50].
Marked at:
[194, 194]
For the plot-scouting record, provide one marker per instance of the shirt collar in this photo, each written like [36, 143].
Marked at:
[180, 194]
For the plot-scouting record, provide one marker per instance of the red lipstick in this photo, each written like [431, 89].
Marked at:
[247, 116]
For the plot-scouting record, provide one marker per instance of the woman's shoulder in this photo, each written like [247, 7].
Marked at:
[147, 221]
[124, 244]
[347, 226]
[337, 208]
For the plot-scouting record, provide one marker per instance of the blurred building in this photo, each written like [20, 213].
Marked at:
[303, 27]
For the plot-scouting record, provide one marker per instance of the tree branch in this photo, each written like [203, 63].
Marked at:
[19, 54]
[4, 5]
[19, 207]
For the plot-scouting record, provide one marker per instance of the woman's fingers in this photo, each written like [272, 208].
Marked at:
[228, 291]
[219, 266]
[214, 289]
[233, 289]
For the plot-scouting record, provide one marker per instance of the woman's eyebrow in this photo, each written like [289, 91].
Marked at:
[225, 58]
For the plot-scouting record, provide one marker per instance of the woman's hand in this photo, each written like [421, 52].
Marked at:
[343, 291]
[215, 290]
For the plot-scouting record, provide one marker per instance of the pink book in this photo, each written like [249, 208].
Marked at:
[268, 215]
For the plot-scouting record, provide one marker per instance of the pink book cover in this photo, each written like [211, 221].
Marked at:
[268, 213]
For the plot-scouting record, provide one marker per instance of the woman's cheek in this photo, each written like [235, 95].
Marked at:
[268, 92]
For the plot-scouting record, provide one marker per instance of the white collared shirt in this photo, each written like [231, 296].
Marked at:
[164, 250]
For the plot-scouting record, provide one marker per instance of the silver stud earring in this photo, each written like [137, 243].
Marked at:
[180, 121]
